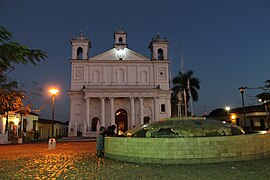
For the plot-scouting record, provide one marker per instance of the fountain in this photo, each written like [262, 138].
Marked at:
[187, 141]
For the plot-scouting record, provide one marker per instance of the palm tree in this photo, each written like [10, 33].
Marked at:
[185, 88]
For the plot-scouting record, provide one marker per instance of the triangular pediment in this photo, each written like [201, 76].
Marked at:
[124, 54]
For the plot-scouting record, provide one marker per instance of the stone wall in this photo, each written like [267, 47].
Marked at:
[188, 150]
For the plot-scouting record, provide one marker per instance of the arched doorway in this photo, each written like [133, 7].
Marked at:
[94, 124]
[146, 120]
[121, 121]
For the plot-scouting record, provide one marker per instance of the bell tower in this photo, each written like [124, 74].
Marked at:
[159, 48]
[80, 46]
[120, 39]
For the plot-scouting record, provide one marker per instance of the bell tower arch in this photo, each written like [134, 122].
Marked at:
[159, 48]
[120, 39]
[80, 46]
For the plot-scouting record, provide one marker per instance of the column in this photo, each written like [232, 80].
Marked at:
[156, 117]
[102, 111]
[87, 109]
[112, 110]
[75, 128]
[168, 102]
[141, 109]
[132, 108]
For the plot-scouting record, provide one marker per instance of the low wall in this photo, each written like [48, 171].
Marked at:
[188, 150]
[4, 138]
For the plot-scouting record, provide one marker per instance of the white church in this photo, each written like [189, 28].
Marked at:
[118, 87]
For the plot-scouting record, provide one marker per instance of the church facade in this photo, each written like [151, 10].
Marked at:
[118, 87]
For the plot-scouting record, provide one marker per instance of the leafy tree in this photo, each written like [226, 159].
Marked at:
[12, 53]
[265, 98]
[186, 86]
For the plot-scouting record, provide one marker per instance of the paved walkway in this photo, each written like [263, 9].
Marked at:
[36, 161]
[77, 160]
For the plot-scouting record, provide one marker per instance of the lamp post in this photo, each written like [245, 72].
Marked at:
[242, 90]
[53, 92]
[227, 108]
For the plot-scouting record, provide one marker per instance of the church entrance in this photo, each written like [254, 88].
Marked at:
[121, 121]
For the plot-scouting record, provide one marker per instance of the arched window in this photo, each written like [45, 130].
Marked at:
[96, 77]
[94, 124]
[144, 78]
[120, 76]
[120, 40]
[160, 54]
[162, 108]
[146, 120]
[80, 53]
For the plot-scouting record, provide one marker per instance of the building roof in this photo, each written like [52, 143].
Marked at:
[249, 109]
[157, 39]
[48, 121]
[80, 37]
[35, 114]
[120, 32]
[239, 110]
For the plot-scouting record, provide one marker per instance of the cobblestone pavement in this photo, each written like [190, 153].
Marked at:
[36, 161]
[77, 160]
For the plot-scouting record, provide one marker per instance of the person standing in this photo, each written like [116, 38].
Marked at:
[110, 131]
[100, 144]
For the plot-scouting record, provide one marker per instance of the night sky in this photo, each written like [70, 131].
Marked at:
[225, 42]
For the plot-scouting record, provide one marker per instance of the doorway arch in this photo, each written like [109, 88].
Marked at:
[121, 121]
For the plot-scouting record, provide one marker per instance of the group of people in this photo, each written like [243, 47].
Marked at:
[100, 140]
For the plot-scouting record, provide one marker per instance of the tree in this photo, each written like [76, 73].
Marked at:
[186, 86]
[265, 98]
[12, 53]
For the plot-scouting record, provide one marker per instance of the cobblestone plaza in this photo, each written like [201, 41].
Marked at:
[77, 160]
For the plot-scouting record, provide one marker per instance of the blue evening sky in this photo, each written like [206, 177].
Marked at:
[225, 42]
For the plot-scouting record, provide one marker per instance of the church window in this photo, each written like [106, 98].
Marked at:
[120, 74]
[144, 77]
[80, 53]
[96, 77]
[160, 54]
[94, 124]
[120, 40]
[162, 107]
[146, 120]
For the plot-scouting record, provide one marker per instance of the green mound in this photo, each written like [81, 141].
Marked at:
[177, 128]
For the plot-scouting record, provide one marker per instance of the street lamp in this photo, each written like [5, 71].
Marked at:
[53, 92]
[227, 108]
[242, 90]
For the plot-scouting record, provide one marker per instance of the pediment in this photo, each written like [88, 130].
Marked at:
[124, 54]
